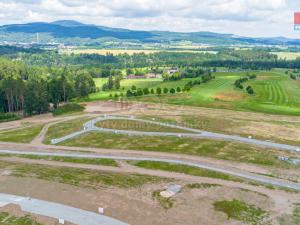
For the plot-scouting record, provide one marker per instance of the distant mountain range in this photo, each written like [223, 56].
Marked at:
[76, 33]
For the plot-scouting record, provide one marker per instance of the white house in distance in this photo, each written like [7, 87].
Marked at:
[173, 70]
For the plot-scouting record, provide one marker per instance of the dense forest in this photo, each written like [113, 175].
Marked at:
[31, 90]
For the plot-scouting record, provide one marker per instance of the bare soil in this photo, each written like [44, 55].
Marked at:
[136, 205]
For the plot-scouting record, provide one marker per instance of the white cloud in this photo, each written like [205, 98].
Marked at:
[245, 17]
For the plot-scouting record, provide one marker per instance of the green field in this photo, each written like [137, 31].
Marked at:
[185, 169]
[200, 147]
[24, 135]
[287, 55]
[92, 161]
[62, 129]
[83, 177]
[126, 84]
[275, 92]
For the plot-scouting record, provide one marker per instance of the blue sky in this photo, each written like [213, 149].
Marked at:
[256, 18]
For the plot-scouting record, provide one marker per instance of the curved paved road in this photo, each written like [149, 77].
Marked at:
[245, 175]
[90, 126]
[58, 211]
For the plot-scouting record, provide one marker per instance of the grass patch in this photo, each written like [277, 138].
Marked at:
[202, 185]
[67, 109]
[137, 126]
[202, 147]
[296, 214]
[93, 161]
[293, 219]
[166, 203]
[83, 177]
[241, 211]
[4, 164]
[24, 135]
[62, 129]
[6, 219]
[256, 192]
[184, 169]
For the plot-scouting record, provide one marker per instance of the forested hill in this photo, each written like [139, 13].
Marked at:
[73, 32]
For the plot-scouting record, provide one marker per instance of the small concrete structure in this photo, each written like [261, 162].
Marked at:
[61, 221]
[173, 70]
[101, 210]
[283, 158]
[171, 191]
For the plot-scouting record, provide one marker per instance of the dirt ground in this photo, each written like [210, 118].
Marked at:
[136, 205]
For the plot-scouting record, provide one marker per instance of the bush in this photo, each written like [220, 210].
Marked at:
[250, 90]
[158, 91]
[178, 89]
[5, 117]
[166, 90]
[172, 91]
[140, 92]
[152, 91]
[146, 91]
[68, 108]
[129, 94]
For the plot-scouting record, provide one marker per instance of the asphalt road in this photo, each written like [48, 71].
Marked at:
[58, 211]
[245, 175]
[90, 126]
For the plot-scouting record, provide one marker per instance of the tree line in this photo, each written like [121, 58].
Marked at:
[32, 90]
[245, 59]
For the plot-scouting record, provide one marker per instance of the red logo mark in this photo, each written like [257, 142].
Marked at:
[297, 18]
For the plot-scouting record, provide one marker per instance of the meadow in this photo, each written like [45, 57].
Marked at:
[274, 92]
[287, 55]
[184, 49]
[108, 51]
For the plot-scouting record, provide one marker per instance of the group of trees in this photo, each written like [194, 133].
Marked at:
[250, 90]
[188, 72]
[31, 90]
[135, 92]
[239, 83]
[112, 83]
[293, 76]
